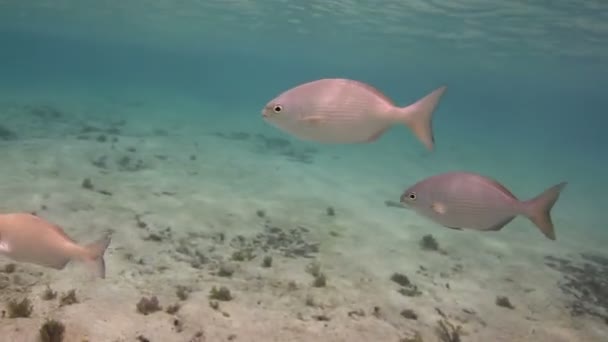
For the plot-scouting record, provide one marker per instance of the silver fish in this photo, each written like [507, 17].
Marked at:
[463, 200]
[28, 238]
[346, 111]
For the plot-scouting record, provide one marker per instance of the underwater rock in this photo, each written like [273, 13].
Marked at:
[585, 282]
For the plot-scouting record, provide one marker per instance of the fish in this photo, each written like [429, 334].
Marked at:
[467, 200]
[345, 111]
[25, 237]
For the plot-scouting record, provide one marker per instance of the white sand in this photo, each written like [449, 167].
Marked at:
[360, 247]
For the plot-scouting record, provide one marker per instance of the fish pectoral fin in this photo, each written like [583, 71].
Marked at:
[377, 135]
[439, 208]
[5, 247]
[314, 120]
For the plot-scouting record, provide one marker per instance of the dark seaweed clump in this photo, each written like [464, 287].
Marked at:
[17, 309]
[429, 243]
[407, 288]
[147, 306]
[52, 331]
[291, 243]
[7, 134]
[274, 145]
[586, 283]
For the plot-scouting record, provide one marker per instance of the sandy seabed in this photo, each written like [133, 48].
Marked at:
[300, 236]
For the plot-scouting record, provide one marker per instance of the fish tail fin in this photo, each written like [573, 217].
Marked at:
[96, 252]
[418, 116]
[538, 209]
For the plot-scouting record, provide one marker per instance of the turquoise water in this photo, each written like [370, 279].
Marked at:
[526, 100]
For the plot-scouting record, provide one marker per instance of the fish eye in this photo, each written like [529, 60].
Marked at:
[412, 196]
[277, 108]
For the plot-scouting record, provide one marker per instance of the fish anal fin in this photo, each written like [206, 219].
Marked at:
[500, 224]
[377, 135]
[57, 263]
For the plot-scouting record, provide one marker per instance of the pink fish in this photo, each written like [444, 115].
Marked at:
[346, 111]
[27, 238]
[460, 200]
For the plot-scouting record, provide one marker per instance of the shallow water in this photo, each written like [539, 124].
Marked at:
[158, 106]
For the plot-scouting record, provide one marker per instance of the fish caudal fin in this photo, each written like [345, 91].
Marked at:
[418, 117]
[96, 251]
[538, 209]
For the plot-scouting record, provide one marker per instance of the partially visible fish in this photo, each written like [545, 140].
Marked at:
[28, 238]
[463, 200]
[346, 111]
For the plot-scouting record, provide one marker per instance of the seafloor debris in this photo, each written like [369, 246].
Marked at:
[585, 282]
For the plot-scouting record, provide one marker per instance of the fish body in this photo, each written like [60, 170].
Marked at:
[337, 110]
[464, 200]
[28, 238]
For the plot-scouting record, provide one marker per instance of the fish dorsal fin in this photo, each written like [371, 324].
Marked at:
[497, 185]
[373, 90]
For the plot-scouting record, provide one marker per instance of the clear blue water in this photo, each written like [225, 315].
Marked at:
[526, 100]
